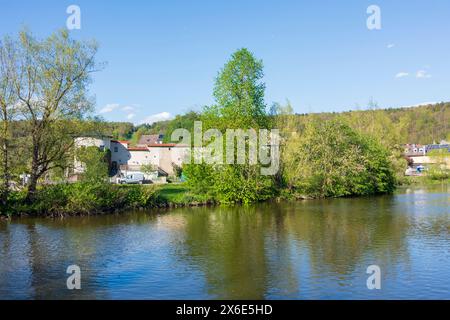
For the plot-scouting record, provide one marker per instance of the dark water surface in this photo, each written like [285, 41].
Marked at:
[298, 250]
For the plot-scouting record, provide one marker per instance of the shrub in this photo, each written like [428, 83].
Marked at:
[83, 199]
[330, 159]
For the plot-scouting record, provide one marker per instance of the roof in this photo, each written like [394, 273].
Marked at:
[437, 147]
[150, 139]
[92, 135]
[137, 149]
[156, 145]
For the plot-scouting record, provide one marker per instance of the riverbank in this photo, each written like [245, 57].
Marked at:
[80, 199]
[423, 181]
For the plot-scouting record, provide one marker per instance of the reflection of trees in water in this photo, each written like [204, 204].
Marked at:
[53, 245]
[341, 232]
[14, 261]
[242, 252]
[229, 249]
[254, 252]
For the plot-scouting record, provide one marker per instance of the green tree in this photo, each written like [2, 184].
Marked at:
[95, 163]
[440, 169]
[239, 97]
[51, 78]
[329, 159]
[8, 111]
[185, 121]
[149, 168]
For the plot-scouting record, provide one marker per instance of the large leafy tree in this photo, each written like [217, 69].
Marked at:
[7, 111]
[51, 79]
[239, 94]
[239, 97]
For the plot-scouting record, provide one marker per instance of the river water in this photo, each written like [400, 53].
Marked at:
[317, 249]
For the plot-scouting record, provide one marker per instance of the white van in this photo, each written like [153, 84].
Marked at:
[132, 178]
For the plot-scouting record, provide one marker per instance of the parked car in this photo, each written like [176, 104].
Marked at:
[132, 178]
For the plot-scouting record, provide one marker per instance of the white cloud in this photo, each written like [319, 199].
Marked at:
[391, 45]
[109, 108]
[402, 74]
[418, 105]
[128, 108]
[422, 74]
[156, 117]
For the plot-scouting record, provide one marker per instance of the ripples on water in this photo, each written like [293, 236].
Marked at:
[298, 250]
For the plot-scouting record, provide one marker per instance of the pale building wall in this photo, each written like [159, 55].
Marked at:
[428, 160]
[159, 156]
[168, 155]
[141, 158]
[119, 153]
[104, 142]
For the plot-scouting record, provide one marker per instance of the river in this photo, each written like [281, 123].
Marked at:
[318, 249]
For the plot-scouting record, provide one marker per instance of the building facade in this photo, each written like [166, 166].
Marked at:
[124, 158]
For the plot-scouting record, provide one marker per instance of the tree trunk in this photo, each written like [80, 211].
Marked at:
[34, 175]
[5, 188]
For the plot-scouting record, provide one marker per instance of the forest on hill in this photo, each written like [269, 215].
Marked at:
[423, 124]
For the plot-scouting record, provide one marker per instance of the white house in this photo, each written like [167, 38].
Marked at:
[125, 158]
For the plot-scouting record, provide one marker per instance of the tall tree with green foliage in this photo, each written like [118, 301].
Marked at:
[239, 96]
[50, 81]
[8, 112]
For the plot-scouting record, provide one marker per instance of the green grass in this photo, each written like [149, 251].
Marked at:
[423, 180]
[173, 192]
[180, 194]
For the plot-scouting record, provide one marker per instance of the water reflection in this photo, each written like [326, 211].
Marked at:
[298, 250]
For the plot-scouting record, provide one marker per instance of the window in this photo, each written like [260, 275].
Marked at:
[116, 149]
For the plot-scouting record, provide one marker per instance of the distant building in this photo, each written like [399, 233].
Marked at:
[414, 150]
[147, 139]
[419, 156]
[124, 158]
[442, 145]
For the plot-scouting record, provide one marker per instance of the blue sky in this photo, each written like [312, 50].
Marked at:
[163, 56]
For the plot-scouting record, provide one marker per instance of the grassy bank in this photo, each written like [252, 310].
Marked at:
[91, 199]
[424, 180]
[87, 199]
[181, 195]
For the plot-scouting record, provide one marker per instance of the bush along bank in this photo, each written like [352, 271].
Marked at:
[86, 198]
[81, 199]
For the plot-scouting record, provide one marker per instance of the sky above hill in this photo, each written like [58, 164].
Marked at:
[162, 56]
